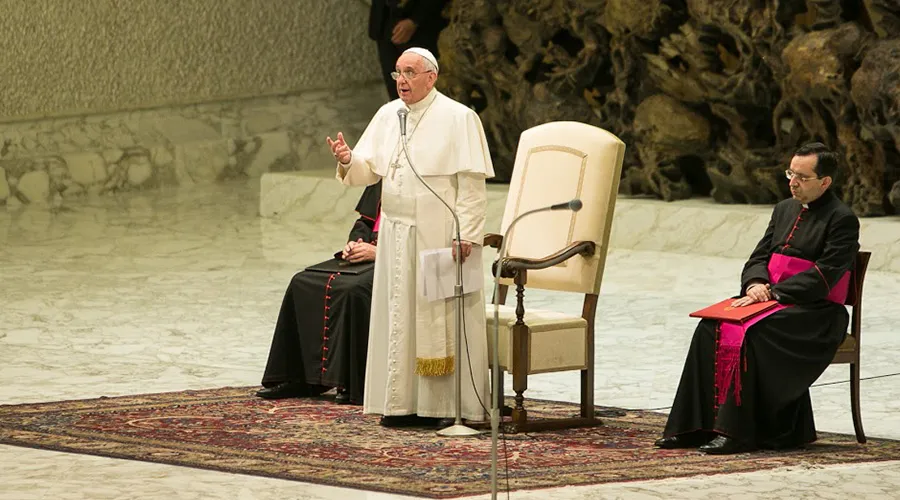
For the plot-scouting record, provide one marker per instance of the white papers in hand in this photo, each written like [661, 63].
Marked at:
[437, 273]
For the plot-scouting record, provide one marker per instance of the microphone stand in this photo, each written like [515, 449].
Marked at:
[457, 429]
[496, 401]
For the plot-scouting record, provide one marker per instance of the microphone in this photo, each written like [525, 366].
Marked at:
[401, 113]
[574, 205]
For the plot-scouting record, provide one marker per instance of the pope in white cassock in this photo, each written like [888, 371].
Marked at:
[410, 362]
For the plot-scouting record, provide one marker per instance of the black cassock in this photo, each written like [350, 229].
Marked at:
[322, 331]
[784, 353]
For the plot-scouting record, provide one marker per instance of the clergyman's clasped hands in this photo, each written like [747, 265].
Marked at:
[358, 251]
[757, 292]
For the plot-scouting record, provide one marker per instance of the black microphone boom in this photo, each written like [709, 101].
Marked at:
[401, 113]
[573, 205]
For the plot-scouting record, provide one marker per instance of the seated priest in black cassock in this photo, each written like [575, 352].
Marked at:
[745, 385]
[321, 336]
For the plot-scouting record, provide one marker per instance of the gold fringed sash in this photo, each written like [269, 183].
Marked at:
[434, 367]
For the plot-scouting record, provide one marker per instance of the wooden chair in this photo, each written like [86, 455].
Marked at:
[848, 352]
[559, 250]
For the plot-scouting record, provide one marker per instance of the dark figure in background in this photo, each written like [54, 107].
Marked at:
[397, 25]
[751, 390]
[321, 336]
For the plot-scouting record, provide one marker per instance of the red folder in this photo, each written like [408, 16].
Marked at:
[724, 311]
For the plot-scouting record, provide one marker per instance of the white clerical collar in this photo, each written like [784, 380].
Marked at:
[420, 106]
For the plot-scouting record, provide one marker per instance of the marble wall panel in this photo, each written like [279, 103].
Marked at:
[51, 163]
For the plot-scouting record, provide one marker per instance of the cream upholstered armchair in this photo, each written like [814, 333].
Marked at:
[555, 250]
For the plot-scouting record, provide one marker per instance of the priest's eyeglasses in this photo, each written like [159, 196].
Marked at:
[408, 74]
[790, 174]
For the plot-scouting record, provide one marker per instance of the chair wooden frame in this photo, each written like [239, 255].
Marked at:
[848, 352]
[517, 269]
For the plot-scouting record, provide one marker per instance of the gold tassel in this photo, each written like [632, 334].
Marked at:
[434, 367]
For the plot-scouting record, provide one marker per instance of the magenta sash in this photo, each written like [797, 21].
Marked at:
[730, 336]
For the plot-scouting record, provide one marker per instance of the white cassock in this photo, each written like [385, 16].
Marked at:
[410, 360]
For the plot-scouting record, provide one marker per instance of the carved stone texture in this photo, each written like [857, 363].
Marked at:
[521, 63]
[816, 104]
[647, 19]
[717, 60]
[820, 14]
[672, 143]
[894, 197]
[876, 95]
[710, 97]
[884, 15]
[744, 171]
[816, 89]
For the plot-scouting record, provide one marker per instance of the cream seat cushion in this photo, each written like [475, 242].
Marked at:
[557, 341]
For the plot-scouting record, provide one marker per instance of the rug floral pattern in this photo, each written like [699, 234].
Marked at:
[316, 441]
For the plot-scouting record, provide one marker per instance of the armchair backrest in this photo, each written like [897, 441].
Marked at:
[557, 162]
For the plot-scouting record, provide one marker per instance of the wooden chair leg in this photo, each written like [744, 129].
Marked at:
[519, 413]
[854, 403]
[520, 372]
[588, 312]
[587, 393]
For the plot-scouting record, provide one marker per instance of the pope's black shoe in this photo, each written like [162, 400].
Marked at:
[408, 421]
[447, 422]
[722, 445]
[285, 390]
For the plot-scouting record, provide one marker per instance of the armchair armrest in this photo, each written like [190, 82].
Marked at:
[513, 265]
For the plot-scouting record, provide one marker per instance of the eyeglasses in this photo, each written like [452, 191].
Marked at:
[790, 174]
[408, 74]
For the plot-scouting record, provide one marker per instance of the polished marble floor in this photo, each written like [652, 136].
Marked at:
[164, 291]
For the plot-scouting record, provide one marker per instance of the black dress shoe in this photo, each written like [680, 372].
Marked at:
[447, 422]
[722, 445]
[284, 390]
[342, 397]
[408, 421]
[691, 440]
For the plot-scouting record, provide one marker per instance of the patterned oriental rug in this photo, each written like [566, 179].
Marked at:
[317, 441]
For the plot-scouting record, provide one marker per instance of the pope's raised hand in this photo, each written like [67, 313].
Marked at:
[339, 148]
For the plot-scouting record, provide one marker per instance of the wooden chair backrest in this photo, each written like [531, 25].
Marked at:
[854, 296]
